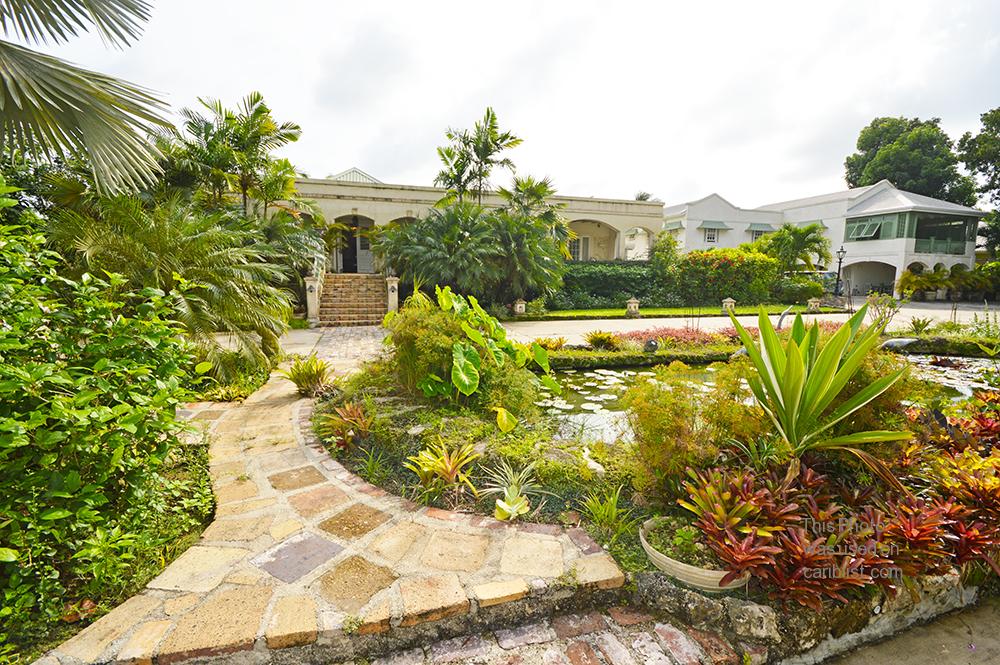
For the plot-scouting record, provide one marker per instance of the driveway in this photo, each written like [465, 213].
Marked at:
[574, 331]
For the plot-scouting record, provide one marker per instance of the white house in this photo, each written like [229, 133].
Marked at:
[884, 230]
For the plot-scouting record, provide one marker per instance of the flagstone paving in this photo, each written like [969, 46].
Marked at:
[302, 553]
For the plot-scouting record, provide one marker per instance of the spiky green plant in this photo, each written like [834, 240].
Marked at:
[798, 383]
[310, 375]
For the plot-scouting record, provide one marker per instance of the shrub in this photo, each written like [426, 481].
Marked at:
[670, 432]
[796, 290]
[593, 284]
[91, 374]
[605, 341]
[551, 343]
[682, 336]
[311, 376]
[456, 350]
[708, 276]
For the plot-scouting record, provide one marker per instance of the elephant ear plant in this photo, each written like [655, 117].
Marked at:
[797, 384]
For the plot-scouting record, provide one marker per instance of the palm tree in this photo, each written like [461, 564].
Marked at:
[471, 157]
[528, 261]
[530, 197]
[231, 149]
[485, 144]
[798, 246]
[218, 271]
[51, 108]
[451, 246]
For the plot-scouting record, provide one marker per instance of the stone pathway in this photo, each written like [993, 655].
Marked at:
[620, 636]
[306, 562]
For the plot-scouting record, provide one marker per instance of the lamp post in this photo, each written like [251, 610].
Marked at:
[841, 253]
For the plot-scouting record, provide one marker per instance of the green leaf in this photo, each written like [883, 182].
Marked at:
[7, 555]
[541, 356]
[202, 367]
[56, 514]
[505, 420]
[465, 363]
[473, 334]
[550, 383]
[444, 297]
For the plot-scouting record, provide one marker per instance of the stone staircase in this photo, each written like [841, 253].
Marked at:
[353, 299]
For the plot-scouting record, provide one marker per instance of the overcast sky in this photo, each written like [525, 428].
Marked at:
[758, 101]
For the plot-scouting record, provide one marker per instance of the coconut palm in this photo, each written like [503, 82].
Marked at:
[217, 270]
[50, 108]
[798, 247]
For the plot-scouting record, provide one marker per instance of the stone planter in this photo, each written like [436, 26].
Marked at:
[930, 296]
[942, 294]
[702, 579]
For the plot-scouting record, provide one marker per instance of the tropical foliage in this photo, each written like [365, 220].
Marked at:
[798, 383]
[797, 247]
[915, 155]
[52, 108]
[89, 454]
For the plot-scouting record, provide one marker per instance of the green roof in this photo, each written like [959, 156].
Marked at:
[673, 226]
[760, 227]
[722, 226]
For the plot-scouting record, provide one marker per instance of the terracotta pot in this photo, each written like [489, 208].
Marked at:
[702, 579]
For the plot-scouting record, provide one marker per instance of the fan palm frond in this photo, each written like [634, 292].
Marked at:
[49, 107]
[39, 21]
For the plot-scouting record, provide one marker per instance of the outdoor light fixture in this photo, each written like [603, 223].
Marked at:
[841, 253]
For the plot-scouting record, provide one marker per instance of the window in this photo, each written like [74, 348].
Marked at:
[364, 244]
[756, 235]
[711, 235]
[863, 231]
[579, 248]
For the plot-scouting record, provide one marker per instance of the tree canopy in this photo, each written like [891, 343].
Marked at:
[797, 247]
[981, 154]
[915, 155]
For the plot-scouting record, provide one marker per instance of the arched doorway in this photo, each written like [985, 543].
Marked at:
[355, 253]
[866, 277]
[594, 241]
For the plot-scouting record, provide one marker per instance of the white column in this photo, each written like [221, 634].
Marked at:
[392, 292]
[314, 286]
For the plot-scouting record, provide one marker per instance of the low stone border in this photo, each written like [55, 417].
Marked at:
[797, 635]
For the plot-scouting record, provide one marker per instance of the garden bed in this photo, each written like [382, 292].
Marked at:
[892, 496]
[668, 312]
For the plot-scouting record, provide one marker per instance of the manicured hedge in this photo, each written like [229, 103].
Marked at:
[597, 284]
[709, 276]
[587, 359]
[702, 277]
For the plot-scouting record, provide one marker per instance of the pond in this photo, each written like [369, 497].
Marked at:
[589, 407]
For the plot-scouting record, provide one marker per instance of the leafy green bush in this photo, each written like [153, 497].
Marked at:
[588, 359]
[709, 276]
[796, 290]
[90, 377]
[670, 432]
[457, 351]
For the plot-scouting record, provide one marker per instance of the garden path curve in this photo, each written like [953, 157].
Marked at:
[307, 562]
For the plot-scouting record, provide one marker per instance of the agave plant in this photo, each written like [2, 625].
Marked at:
[798, 383]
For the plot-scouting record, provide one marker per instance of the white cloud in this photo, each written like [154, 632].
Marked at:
[758, 101]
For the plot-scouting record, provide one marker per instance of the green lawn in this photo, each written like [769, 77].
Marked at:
[679, 312]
